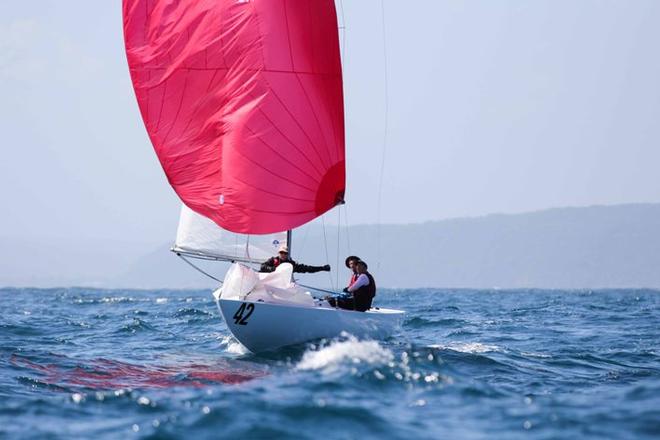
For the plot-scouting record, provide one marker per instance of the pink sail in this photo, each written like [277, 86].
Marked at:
[243, 103]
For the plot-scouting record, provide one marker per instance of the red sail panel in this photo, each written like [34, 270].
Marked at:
[243, 103]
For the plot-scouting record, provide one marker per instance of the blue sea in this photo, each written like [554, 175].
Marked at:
[467, 364]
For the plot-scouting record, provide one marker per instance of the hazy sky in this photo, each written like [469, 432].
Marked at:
[494, 106]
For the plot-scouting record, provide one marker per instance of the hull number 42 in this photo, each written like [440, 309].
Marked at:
[238, 316]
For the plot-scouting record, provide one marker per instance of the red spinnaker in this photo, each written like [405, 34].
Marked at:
[243, 102]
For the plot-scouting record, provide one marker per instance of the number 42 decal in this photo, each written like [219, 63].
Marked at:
[238, 316]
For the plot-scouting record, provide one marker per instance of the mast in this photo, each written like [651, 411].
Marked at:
[289, 237]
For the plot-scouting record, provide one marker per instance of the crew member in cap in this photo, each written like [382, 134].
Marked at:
[283, 257]
[359, 295]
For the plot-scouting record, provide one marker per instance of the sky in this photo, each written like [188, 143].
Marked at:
[478, 107]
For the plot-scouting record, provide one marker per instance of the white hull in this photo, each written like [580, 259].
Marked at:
[260, 326]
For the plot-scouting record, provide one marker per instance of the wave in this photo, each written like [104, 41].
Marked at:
[137, 325]
[419, 322]
[21, 330]
[191, 312]
[232, 346]
[368, 360]
[468, 347]
[347, 352]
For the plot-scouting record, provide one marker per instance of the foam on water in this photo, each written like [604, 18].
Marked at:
[342, 353]
[467, 347]
[232, 346]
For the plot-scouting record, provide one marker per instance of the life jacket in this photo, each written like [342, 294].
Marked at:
[277, 261]
[369, 290]
[353, 279]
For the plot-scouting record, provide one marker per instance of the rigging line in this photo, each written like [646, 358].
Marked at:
[348, 234]
[327, 255]
[338, 242]
[247, 249]
[342, 28]
[197, 268]
[382, 163]
[317, 288]
[304, 240]
[247, 253]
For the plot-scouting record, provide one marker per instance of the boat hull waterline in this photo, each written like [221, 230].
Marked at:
[261, 326]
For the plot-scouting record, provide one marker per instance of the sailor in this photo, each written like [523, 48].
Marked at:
[359, 295]
[283, 257]
[350, 263]
[363, 289]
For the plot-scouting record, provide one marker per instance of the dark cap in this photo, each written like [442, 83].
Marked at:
[351, 257]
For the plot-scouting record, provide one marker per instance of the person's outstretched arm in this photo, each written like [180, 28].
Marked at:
[304, 268]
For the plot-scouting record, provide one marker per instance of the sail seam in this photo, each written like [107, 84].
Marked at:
[162, 104]
[176, 159]
[309, 139]
[178, 110]
[316, 118]
[265, 115]
[288, 37]
[276, 127]
[238, 151]
[202, 69]
[197, 108]
[324, 89]
[274, 150]
[272, 193]
[263, 211]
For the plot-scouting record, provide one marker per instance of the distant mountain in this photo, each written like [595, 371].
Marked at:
[599, 246]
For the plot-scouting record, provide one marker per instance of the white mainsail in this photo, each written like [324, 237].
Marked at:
[199, 237]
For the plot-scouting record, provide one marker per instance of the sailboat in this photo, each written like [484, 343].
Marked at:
[243, 103]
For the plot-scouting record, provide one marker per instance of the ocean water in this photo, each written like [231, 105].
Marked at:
[472, 364]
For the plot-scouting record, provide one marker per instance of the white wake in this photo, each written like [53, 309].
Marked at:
[340, 353]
